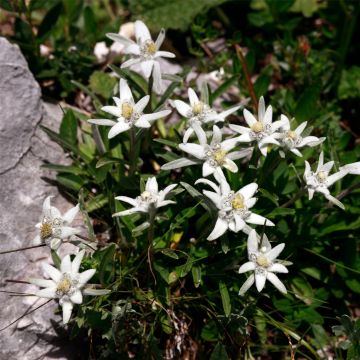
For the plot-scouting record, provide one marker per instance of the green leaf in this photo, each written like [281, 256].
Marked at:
[56, 259]
[223, 88]
[6, 5]
[186, 268]
[219, 353]
[49, 21]
[102, 84]
[272, 197]
[281, 212]
[38, 4]
[196, 274]
[170, 253]
[106, 262]
[106, 161]
[167, 142]
[71, 169]
[349, 87]
[90, 21]
[305, 108]
[262, 84]
[225, 298]
[70, 181]
[68, 127]
[96, 202]
[156, 13]
[307, 7]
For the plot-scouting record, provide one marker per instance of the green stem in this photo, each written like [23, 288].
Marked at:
[132, 155]
[150, 251]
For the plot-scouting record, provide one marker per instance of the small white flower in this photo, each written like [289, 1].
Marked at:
[66, 284]
[233, 207]
[148, 200]
[199, 113]
[101, 51]
[292, 140]
[261, 130]
[320, 180]
[144, 51]
[55, 227]
[128, 113]
[262, 263]
[213, 156]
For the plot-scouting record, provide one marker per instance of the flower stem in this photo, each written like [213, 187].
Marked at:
[152, 214]
[247, 76]
[132, 152]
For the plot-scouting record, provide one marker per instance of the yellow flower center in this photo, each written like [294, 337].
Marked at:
[238, 202]
[198, 108]
[126, 110]
[321, 176]
[45, 231]
[262, 261]
[257, 127]
[146, 195]
[292, 135]
[150, 47]
[64, 285]
[219, 156]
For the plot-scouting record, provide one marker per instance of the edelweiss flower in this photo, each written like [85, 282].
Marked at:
[199, 112]
[320, 181]
[215, 156]
[66, 284]
[233, 207]
[261, 130]
[128, 113]
[262, 263]
[149, 199]
[292, 140]
[54, 227]
[144, 51]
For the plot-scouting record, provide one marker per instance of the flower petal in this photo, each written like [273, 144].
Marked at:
[220, 228]
[69, 216]
[249, 118]
[252, 242]
[335, 177]
[132, 49]
[119, 38]
[105, 122]
[152, 185]
[113, 110]
[244, 138]
[142, 33]
[187, 134]
[200, 133]
[260, 280]
[258, 220]
[164, 54]
[85, 276]
[157, 115]
[217, 136]
[276, 282]
[207, 169]
[75, 266]
[120, 127]
[160, 38]
[267, 119]
[210, 183]
[193, 149]
[248, 191]
[261, 109]
[146, 67]
[76, 297]
[178, 163]
[47, 293]
[247, 284]
[214, 197]
[127, 199]
[279, 268]
[54, 273]
[67, 231]
[142, 123]
[248, 266]
[193, 98]
[130, 62]
[239, 129]
[67, 307]
[230, 165]
[141, 104]
[65, 266]
[182, 108]
[129, 211]
[42, 282]
[274, 252]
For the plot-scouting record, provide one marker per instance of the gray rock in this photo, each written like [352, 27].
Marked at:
[23, 146]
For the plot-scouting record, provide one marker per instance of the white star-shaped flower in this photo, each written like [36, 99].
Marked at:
[199, 113]
[148, 200]
[213, 156]
[55, 227]
[144, 51]
[233, 207]
[262, 263]
[292, 140]
[320, 180]
[262, 130]
[128, 113]
[66, 284]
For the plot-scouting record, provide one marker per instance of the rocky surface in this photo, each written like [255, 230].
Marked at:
[23, 146]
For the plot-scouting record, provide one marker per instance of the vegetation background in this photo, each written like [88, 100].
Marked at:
[303, 56]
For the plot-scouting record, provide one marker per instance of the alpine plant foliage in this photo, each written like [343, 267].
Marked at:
[191, 216]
